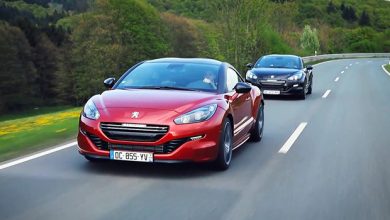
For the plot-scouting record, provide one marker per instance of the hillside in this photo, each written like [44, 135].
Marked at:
[58, 51]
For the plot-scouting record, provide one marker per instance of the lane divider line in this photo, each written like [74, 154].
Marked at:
[350, 64]
[337, 79]
[342, 72]
[346, 67]
[37, 155]
[326, 94]
[384, 69]
[291, 140]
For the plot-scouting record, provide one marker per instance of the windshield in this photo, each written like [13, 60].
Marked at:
[181, 76]
[279, 62]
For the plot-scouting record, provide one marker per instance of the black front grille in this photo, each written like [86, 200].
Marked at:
[133, 132]
[101, 145]
[166, 148]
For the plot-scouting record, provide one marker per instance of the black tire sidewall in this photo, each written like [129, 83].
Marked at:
[220, 162]
[257, 134]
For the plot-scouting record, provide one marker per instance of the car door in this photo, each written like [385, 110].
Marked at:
[241, 106]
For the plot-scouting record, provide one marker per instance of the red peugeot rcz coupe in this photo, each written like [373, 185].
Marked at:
[172, 110]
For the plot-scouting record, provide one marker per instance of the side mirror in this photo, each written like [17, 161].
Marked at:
[249, 65]
[242, 87]
[109, 83]
[309, 67]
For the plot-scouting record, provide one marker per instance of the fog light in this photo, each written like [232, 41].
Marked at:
[196, 137]
[83, 132]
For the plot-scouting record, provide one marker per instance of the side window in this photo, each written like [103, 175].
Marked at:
[232, 79]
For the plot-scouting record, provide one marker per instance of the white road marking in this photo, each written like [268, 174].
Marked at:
[337, 79]
[346, 67]
[384, 69]
[357, 63]
[342, 72]
[286, 147]
[350, 64]
[326, 94]
[37, 155]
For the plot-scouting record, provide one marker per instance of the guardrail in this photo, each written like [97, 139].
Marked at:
[345, 55]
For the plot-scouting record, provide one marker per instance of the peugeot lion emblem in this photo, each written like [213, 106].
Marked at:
[272, 76]
[134, 115]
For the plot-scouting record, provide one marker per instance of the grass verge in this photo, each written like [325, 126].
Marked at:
[387, 67]
[23, 134]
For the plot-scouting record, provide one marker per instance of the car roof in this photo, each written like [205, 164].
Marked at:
[282, 55]
[186, 60]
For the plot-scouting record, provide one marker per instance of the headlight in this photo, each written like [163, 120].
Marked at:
[296, 77]
[90, 111]
[250, 75]
[198, 115]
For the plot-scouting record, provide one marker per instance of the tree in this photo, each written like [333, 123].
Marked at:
[364, 19]
[246, 31]
[342, 6]
[46, 61]
[183, 35]
[113, 37]
[349, 14]
[309, 40]
[331, 8]
[17, 72]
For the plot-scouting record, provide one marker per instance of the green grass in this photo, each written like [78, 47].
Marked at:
[26, 134]
[33, 112]
[387, 67]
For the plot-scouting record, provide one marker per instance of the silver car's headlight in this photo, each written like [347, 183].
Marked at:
[198, 115]
[250, 75]
[90, 111]
[296, 77]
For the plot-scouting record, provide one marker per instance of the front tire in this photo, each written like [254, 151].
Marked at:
[304, 90]
[311, 86]
[257, 131]
[225, 148]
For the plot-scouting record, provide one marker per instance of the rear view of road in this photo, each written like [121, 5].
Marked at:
[326, 157]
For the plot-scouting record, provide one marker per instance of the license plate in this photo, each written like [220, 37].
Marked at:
[131, 156]
[271, 92]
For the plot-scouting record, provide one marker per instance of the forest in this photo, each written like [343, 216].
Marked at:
[58, 52]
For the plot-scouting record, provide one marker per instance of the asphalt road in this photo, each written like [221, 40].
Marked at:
[338, 167]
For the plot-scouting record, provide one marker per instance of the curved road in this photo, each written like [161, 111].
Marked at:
[338, 167]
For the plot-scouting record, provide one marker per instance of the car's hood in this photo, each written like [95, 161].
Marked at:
[274, 73]
[171, 100]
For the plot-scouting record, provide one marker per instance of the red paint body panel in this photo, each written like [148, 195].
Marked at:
[204, 149]
[162, 107]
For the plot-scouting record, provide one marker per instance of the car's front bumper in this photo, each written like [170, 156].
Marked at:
[93, 142]
[284, 87]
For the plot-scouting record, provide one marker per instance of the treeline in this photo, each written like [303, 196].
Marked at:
[347, 25]
[57, 52]
[30, 50]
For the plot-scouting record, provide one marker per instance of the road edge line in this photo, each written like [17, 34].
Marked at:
[384, 69]
[36, 155]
